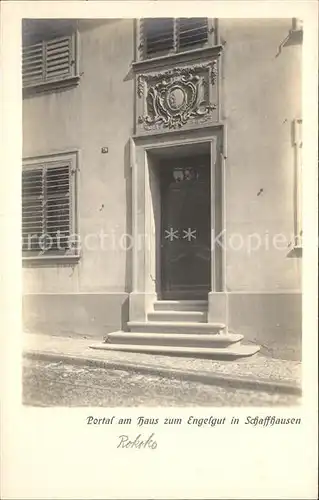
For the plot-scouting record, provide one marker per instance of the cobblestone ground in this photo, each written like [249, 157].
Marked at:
[58, 384]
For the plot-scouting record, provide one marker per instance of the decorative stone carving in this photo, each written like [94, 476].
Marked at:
[214, 72]
[175, 96]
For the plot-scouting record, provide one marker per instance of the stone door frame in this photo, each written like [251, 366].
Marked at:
[144, 259]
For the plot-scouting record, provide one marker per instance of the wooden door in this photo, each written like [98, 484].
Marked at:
[185, 235]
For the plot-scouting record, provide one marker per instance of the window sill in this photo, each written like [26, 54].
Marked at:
[43, 260]
[180, 57]
[40, 88]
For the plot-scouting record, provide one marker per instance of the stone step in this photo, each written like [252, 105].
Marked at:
[180, 305]
[180, 327]
[174, 339]
[189, 316]
[227, 353]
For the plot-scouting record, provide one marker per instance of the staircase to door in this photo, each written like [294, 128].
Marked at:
[178, 324]
[180, 328]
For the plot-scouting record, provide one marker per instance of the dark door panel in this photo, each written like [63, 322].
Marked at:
[186, 228]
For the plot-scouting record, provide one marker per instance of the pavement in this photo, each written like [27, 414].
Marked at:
[55, 383]
[254, 373]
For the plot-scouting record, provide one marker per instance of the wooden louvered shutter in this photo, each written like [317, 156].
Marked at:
[192, 31]
[165, 35]
[58, 58]
[33, 64]
[48, 61]
[157, 35]
[46, 207]
[32, 207]
[58, 205]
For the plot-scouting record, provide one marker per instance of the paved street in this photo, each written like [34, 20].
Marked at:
[58, 384]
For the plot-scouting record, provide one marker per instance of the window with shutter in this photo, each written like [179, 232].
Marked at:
[158, 35]
[48, 61]
[48, 201]
[192, 31]
[170, 35]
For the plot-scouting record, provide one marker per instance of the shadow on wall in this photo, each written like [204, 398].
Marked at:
[128, 222]
[128, 230]
[125, 314]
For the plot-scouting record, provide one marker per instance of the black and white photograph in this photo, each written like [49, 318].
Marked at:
[161, 211]
[159, 244]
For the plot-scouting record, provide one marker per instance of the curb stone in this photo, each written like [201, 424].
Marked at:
[221, 380]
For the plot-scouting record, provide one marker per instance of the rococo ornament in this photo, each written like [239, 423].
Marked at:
[175, 96]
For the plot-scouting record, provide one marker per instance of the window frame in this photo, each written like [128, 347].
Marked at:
[45, 162]
[55, 82]
[142, 56]
[297, 144]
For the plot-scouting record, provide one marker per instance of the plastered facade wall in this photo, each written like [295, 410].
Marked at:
[260, 98]
[97, 113]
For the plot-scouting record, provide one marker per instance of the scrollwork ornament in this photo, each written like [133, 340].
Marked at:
[175, 96]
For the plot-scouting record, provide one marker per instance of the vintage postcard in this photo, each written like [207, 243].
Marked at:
[158, 276]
